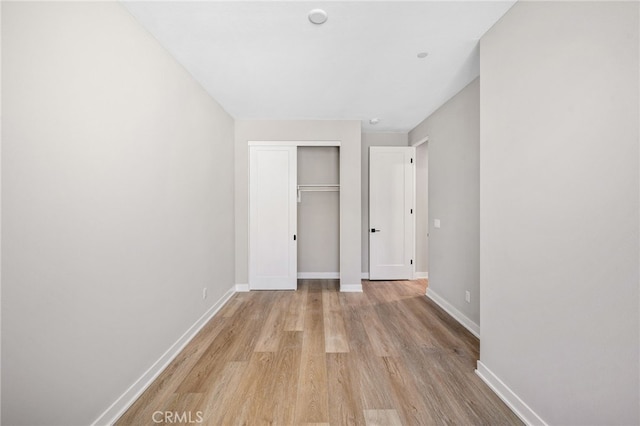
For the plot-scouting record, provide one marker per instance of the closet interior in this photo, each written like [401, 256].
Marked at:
[318, 211]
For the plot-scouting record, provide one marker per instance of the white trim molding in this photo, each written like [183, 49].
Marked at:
[454, 312]
[417, 275]
[294, 143]
[122, 404]
[242, 288]
[517, 405]
[351, 288]
[420, 141]
[319, 275]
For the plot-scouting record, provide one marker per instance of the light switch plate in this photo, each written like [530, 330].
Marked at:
[436, 223]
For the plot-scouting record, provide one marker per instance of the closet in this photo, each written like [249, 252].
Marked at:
[294, 213]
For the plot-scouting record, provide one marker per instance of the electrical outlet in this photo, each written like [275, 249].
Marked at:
[204, 293]
[467, 296]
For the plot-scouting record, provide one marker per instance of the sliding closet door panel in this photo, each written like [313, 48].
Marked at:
[272, 218]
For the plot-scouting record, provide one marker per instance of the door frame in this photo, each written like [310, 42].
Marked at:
[423, 141]
[275, 143]
[294, 143]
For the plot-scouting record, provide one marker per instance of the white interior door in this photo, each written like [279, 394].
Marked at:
[272, 218]
[391, 219]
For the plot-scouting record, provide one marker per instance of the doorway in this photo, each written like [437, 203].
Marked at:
[283, 248]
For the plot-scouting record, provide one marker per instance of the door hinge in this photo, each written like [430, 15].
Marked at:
[412, 261]
[294, 237]
[412, 161]
[411, 211]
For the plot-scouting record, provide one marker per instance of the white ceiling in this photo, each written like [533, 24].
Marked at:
[265, 60]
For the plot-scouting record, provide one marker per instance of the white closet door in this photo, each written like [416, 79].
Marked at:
[272, 218]
[391, 223]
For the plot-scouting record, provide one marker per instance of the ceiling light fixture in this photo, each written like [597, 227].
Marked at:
[374, 121]
[422, 55]
[318, 16]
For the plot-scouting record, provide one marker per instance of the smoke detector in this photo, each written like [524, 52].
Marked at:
[318, 16]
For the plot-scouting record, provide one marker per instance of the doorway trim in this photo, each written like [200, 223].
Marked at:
[420, 142]
[294, 143]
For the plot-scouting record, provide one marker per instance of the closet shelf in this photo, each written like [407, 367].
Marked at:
[331, 187]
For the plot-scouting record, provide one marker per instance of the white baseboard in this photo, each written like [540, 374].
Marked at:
[122, 404]
[319, 275]
[351, 288]
[241, 288]
[417, 275]
[455, 313]
[518, 406]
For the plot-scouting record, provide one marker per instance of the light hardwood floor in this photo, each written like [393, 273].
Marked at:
[387, 356]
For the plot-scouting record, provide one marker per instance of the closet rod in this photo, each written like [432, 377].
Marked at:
[317, 188]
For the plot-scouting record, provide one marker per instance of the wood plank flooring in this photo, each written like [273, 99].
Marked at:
[387, 356]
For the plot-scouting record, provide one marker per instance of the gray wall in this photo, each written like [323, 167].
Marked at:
[319, 212]
[117, 207]
[559, 208]
[348, 132]
[369, 140]
[453, 178]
